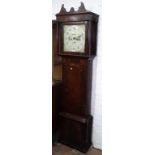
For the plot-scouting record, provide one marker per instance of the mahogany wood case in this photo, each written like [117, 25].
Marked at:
[75, 113]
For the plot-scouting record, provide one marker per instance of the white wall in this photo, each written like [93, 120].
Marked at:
[97, 66]
[129, 77]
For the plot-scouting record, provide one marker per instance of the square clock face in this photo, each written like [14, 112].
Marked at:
[74, 38]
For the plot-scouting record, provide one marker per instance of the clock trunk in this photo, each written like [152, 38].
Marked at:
[76, 77]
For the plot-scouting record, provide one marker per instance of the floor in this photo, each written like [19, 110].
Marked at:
[60, 149]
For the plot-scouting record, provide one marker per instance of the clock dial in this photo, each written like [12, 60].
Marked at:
[74, 38]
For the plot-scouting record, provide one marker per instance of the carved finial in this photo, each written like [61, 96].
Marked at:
[82, 8]
[63, 10]
[72, 10]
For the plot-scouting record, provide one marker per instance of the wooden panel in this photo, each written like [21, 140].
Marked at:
[56, 102]
[56, 79]
[75, 133]
[76, 86]
[55, 58]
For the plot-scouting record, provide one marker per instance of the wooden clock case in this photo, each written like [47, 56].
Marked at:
[75, 113]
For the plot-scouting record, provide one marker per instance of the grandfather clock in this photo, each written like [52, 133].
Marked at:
[77, 39]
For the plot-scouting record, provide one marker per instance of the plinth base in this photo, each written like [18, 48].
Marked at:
[75, 131]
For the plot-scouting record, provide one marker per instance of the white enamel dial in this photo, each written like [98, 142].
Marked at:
[74, 38]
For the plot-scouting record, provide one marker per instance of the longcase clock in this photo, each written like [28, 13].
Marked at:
[77, 39]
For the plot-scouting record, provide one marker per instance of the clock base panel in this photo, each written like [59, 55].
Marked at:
[75, 131]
